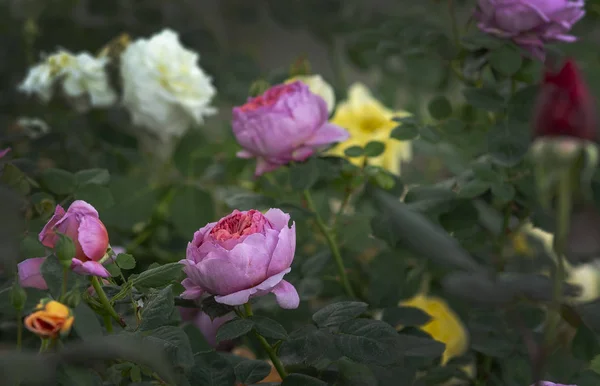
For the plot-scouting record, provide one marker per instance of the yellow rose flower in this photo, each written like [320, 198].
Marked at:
[50, 319]
[445, 326]
[367, 119]
[317, 85]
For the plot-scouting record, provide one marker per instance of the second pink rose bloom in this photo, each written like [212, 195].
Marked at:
[287, 123]
[244, 255]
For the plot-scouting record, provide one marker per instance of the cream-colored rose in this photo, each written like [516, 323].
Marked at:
[317, 85]
[164, 89]
[80, 76]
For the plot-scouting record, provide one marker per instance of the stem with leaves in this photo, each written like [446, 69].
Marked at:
[328, 233]
[106, 303]
[268, 348]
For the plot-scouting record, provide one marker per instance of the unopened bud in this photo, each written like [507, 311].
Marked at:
[258, 87]
[65, 250]
[18, 296]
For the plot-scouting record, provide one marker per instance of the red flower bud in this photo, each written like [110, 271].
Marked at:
[565, 107]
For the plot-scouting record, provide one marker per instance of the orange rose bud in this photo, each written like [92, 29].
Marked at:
[565, 107]
[50, 319]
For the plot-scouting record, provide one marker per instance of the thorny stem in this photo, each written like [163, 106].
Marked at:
[332, 245]
[106, 303]
[268, 348]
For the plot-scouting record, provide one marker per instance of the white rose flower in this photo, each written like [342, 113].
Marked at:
[164, 89]
[317, 85]
[81, 75]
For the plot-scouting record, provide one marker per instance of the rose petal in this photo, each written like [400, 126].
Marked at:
[30, 275]
[47, 236]
[92, 268]
[328, 134]
[244, 154]
[192, 290]
[283, 255]
[81, 207]
[286, 295]
[242, 297]
[4, 152]
[93, 237]
[277, 218]
[263, 166]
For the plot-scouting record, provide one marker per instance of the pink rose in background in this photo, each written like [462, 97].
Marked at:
[4, 152]
[82, 224]
[30, 274]
[244, 255]
[287, 123]
[530, 23]
[547, 383]
[206, 325]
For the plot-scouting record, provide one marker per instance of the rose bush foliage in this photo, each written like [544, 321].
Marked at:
[177, 213]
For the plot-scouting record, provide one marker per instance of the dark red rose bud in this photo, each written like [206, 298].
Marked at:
[565, 107]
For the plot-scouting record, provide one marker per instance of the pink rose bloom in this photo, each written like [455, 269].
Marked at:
[30, 274]
[4, 152]
[244, 255]
[548, 383]
[205, 324]
[82, 224]
[287, 123]
[530, 23]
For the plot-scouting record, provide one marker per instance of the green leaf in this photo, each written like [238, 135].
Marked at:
[338, 313]
[158, 309]
[304, 175]
[440, 108]
[135, 201]
[508, 143]
[92, 176]
[248, 200]
[353, 151]
[76, 376]
[506, 60]
[473, 188]
[595, 364]
[477, 39]
[355, 374]
[158, 277]
[191, 156]
[197, 340]
[31, 247]
[125, 261]
[308, 345]
[59, 181]
[15, 178]
[503, 191]
[99, 197]
[405, 132]
[415, 346]
[374, 149]
[174, 343]
[369, 341]
[424, 238]
[234, 329]
[210, 369]
[190, 206]
[113, 269]
[297, 379]
[214, 309]
[269, 328]
[484, 98]
[86, 324]
[251, 371]
[405, 316]
[52, 271]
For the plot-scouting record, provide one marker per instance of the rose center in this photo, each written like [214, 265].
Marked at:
[268, 98]
[239, 224]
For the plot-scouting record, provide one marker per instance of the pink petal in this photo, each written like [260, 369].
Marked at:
[278, 218]
[30, 275]
[242, 297]
[328, 134]
[302, 153]
[286, 295]
[283, 255]
[244, 154]
[4, 152]
[82, 208]
[47, 236]
[92, 268]
[263, 166]
[93, 237]
[192, 291]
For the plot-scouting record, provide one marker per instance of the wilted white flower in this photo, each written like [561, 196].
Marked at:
[33, 127]
[80, 75]
[164, 89]
[317, 85]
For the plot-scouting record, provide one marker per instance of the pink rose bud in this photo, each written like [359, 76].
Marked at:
[207, 326]
[565, 106]
[244, 255]
[530, 23]
[286, 123]
[30, 274]
[82, 224]
[4, 152]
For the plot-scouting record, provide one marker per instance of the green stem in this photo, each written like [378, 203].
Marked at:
[108, 324]
[65, 280]
[268, 348]
[455, 33]
[560, 241]
[105, 302]
[19, 330]
[332, 245]
[44, 345]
